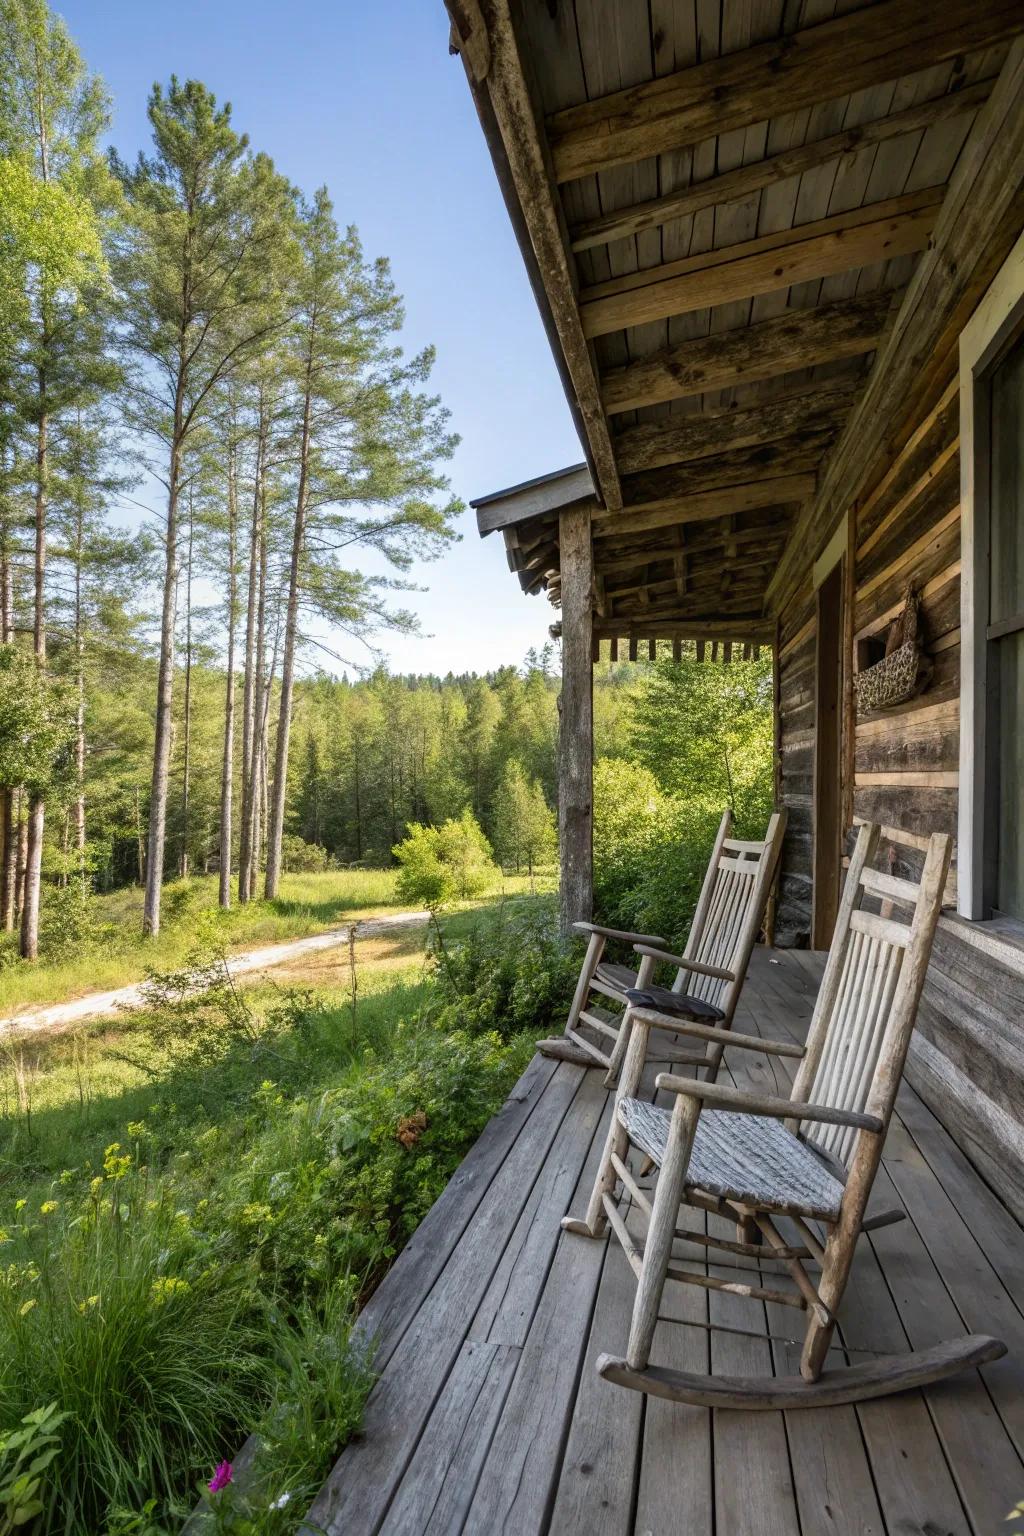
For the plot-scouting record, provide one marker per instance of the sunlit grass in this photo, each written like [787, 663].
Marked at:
[307, 904]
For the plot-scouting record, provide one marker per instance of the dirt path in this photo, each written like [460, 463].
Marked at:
[57, 1017]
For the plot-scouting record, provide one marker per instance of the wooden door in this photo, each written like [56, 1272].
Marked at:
[828, 798]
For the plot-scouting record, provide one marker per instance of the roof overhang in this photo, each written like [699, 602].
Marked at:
[533, 498]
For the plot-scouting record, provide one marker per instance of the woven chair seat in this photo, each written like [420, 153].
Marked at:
[750, 1158]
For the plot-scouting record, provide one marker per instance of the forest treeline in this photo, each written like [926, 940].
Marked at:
[189, 334]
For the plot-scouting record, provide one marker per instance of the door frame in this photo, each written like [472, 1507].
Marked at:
[831, 601]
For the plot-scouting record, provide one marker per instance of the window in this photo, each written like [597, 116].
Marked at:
[991, 852]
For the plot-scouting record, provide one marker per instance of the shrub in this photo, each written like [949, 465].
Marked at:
[650, 851]
[301, 858]
[440, 864]
[511, 973]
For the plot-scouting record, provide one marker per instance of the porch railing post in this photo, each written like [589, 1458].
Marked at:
[576, 727]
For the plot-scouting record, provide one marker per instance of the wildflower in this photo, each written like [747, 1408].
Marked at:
[167, 1286]
[26, 1307]
[255, 1215]
[19, 1205]
[137, 1129]
[95, 1186]
[68, 1176]
[5, 1236]
[88, 1304]
[221, 1477]
[48, 1207]
[282, 1502]
[115, 1166]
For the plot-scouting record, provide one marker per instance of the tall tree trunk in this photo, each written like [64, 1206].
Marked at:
[249, 681]
[253, 808]
[227, 765]
[164, 695]
[183, 862]
[37, 806]
[284, 719]
[9, 864]
[21, 856]
[79, 698]
[140, 841]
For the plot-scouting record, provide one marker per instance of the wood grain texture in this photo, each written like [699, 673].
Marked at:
[848, 54]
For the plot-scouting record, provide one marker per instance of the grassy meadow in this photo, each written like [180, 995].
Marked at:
[114, 953]
[195, 1199]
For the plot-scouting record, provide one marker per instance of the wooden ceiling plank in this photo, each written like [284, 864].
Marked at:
[777, 491]
[654, 443]
[977, 227]
[899, 226]
[797, 339]
[747, 179]
[850, 53]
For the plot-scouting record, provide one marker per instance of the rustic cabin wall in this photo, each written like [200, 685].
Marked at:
[967, 1056]
[795, 767]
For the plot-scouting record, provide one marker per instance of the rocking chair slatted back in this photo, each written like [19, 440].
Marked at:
[865, 1001]
[728, 914]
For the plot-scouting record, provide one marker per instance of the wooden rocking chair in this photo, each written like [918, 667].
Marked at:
[710, 971]
[809, 1158]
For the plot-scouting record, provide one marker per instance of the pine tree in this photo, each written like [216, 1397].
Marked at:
[367, 445]
[52, 114]
[201, 274]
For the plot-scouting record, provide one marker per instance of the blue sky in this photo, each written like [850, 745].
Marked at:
[366, 99]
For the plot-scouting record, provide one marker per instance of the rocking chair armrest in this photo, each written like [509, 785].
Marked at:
[720, 1097]
[618, 933]
[696, 966]
[725, 1037]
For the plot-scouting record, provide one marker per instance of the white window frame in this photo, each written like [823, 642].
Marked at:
[995, 323]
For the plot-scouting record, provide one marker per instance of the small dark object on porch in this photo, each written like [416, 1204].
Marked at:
[676, 1004]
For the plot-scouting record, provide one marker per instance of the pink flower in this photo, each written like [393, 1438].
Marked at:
[221, 1477]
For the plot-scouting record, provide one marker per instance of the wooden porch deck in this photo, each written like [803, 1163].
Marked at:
[489, 1415]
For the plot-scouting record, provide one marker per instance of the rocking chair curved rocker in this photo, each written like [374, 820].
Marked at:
[811, 1158]
[709, 973]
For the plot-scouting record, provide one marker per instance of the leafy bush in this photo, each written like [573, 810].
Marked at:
[650, 851]
[440, 864]
[511, 973]
[301, 858]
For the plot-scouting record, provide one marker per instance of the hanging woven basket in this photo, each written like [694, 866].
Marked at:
[904, 670]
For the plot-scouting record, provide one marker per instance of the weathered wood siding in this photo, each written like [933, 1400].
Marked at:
[967, 1057]
[796, 767]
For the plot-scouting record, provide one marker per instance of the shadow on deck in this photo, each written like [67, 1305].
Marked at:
[489, 1415]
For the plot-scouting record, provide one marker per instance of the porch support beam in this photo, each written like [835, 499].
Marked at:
[576, 723]
[850, 53]
[816, 408]
[898, 226]
[800, 338]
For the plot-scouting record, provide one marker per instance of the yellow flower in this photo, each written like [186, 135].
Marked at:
[114, 1165]
[48, 1207]
[19, 1205]
[5, 1236]
[96, 1185]
[167, 1286]
[88, 1304]
[26, 1307]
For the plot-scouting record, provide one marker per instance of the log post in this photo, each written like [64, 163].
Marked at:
[576, 727]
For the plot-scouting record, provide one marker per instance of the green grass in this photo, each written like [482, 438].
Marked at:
[119, 955]
[186, 1220]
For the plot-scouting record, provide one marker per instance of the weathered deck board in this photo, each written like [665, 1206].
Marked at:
[489, 1416]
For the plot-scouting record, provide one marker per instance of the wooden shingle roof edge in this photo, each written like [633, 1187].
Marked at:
[533, 498]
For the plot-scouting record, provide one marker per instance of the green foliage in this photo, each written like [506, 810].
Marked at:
[705, 732]
[441, 864]
[25, 1455]
[301, 858]
[37, 727]
[196, 1280]
[524, 826]
[509, 972]
[650, 850]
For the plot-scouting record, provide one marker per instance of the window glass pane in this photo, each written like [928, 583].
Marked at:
[1007, 599]
[1010, 855]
